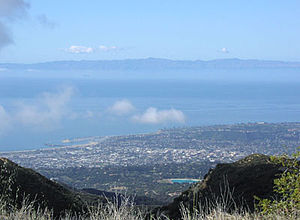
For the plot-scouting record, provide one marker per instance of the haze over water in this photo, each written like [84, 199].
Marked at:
[39, 111]
[121, 67]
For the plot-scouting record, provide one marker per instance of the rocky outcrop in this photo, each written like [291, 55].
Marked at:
[233, 185]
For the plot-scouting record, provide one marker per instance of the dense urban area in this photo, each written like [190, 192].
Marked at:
[145, 164]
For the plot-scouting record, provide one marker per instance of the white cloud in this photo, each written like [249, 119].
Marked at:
[121, 107]
[224, 50]
[107, 48]
[46, 111]
[79, 49]
[83, 49]
[154, 116]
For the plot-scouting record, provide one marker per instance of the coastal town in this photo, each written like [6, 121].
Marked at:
[157, 165]
[223, 143]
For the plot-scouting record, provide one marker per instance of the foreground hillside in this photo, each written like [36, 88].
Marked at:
[227, 192]
[18, 184]
[233, 184]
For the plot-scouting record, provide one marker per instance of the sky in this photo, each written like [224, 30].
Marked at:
[38, 31]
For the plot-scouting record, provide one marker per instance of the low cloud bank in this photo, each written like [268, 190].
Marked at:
[154, 116]
[122, 107]
[44, 112]
[150, 116]
[48, 109]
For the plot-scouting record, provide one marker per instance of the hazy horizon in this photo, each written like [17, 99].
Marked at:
[70, 69]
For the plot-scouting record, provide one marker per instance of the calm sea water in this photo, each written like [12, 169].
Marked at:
[86, 110]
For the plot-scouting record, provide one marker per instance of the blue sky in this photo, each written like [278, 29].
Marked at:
[74, 30]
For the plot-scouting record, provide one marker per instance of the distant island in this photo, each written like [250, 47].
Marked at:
[228, 70]
[150, 64]
[156, 68]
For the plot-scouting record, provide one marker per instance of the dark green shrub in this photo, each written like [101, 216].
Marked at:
[287, 187]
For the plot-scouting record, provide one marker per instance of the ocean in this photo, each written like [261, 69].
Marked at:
[35, 112]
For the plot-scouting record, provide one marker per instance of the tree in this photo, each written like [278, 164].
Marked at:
[287, 187]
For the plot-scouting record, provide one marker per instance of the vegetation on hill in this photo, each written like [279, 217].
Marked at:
[227, 192]
[127, 211]
[233, 184]
[142, 181]
[287, 186]
[18, 184]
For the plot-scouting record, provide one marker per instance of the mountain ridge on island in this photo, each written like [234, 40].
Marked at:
[150, 64]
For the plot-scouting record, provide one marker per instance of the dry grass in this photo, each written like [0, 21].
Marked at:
[218, 213]
[127, 211]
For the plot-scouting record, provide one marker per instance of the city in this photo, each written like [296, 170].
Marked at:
[222, 143]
